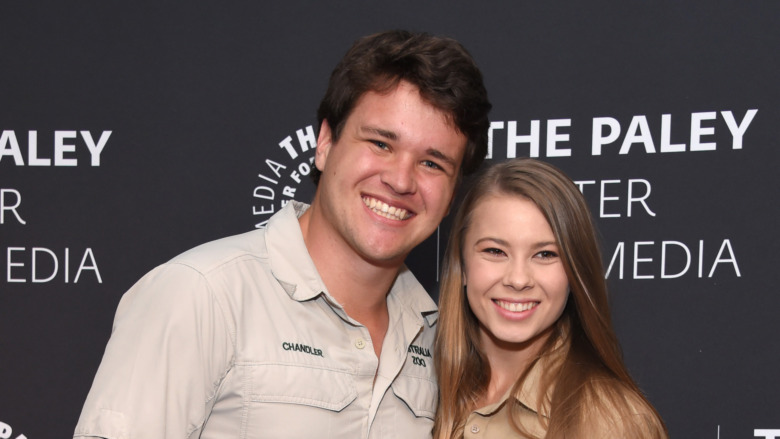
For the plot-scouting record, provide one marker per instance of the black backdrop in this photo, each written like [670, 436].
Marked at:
[131, 133]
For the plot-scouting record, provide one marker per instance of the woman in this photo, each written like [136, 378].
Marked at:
[525, 346]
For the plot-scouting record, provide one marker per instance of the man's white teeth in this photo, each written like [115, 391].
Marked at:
[383, 209]
[516, 307]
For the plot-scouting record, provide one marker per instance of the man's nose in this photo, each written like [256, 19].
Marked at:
[400, 176]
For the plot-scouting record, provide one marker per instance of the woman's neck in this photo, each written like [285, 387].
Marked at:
[507, 362]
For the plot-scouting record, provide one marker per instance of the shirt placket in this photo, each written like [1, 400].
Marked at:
[366, 363]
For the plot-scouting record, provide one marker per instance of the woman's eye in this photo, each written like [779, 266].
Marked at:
[547, 254]
[493, 251]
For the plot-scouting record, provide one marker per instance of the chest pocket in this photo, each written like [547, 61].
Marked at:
[419, 394]
[305, 385]
[295, 401]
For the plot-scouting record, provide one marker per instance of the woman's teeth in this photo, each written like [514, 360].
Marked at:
[515, 307]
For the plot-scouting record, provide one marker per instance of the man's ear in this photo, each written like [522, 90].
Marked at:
[324, 142]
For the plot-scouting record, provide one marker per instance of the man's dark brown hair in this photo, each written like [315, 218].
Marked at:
[440, 67]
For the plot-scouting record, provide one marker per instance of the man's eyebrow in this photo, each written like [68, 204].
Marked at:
[387, 134]
[441, 156]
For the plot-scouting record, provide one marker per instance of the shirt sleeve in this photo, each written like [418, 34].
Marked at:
[169, 349]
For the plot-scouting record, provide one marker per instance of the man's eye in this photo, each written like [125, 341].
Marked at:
[380, 144]
[430, 164]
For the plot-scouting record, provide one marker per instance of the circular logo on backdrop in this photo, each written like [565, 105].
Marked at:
[6, 431]
[284, 175]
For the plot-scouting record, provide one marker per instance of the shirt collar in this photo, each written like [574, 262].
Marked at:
[530, 389]
[412, 296]
[288, 256]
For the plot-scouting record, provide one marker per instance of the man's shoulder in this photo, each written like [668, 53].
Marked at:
[215, 254]
[282, 227]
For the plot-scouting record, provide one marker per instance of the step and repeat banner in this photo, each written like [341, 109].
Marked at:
[131, 133]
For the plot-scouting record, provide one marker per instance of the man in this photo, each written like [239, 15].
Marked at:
[311, 327]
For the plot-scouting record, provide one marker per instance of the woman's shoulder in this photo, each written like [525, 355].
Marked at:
[614, 410]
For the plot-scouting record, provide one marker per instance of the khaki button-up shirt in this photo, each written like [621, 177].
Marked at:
[493, 421]
[239, 338]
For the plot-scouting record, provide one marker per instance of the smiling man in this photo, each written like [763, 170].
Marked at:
[311, 327]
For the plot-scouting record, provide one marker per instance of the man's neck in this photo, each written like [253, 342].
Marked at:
[360, 286]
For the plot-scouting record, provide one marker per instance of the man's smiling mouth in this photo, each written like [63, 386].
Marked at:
[383, 209]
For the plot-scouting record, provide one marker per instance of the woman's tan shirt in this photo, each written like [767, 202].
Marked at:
[493, 421]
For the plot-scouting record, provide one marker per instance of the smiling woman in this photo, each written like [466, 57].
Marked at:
[528, 350]
[516, 284]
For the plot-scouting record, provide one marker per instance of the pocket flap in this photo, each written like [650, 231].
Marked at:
[420, 394]
[306, 385]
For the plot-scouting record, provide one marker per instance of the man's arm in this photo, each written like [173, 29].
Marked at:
[169, 349]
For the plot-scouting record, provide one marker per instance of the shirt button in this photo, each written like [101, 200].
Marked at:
[475, 428]
[360, 343]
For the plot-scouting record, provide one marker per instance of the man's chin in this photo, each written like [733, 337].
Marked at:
[385, 259]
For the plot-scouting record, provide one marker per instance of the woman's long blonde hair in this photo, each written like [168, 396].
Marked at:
[585, 327]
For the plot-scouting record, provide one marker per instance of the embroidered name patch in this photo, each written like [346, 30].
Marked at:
[422, 352]
[297, 347]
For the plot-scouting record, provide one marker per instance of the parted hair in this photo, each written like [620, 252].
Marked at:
[440, 67]
[591, 383]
